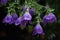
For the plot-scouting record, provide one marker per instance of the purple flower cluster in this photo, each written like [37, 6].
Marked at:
[49, 18]
[24, 19]
[38, 30]
[3, 1]
[27, 17]
[10, 18]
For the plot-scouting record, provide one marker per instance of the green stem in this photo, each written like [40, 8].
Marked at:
[38, 19]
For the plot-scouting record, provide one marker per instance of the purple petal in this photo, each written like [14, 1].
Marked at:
[38, 30]
[14, 18]
[18, 21]
[7, 19]
[27, 16]
[49, 18]
[32, 11]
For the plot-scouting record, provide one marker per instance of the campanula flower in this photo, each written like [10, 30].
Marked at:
[14, 18]
[49, 18]
[38, 30]
[7, 19]
[27, 16]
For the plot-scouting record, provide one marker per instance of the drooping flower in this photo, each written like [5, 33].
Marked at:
[49, 18]
[27, 16]
[38, 30]
[7, 19]
[14, 18]
[4, 1]
[32, 11]
[18, 21]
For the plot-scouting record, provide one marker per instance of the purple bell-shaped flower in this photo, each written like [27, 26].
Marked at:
[14, 18]
[7, 19]
[27, 16]
[38, 30]
[49, 18]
